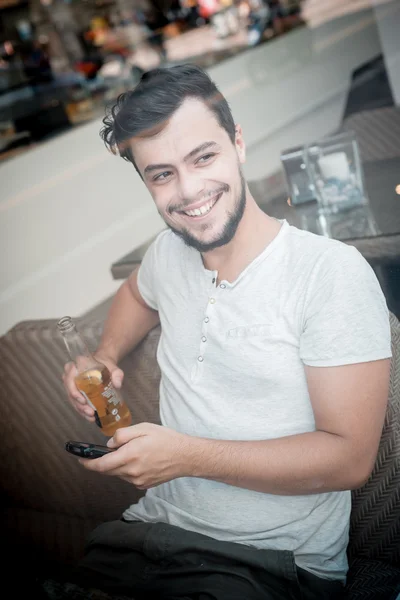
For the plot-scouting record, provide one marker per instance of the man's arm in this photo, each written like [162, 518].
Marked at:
[349, 404]
[128, 322]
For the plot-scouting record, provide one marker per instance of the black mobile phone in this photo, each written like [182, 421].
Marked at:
[87, 450]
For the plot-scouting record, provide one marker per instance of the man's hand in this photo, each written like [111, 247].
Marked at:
[146, 455]
[75, 397]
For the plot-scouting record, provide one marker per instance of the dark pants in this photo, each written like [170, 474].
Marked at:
[156, 560]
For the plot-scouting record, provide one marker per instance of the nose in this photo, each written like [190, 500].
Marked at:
[190, 187]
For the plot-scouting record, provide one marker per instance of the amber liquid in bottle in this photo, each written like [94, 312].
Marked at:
[111, 411]
[94, 382]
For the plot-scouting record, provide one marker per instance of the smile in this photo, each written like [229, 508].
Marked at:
[202, 210]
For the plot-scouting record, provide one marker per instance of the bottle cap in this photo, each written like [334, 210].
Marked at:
[65, 324]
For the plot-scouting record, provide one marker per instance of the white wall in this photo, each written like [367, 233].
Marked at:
[294, 90]
[68, 209]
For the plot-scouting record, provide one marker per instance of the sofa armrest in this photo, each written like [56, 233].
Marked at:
[36, 471]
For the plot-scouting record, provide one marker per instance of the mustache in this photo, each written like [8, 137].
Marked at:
[181, 207]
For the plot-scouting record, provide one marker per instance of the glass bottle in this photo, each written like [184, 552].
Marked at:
[94, 381]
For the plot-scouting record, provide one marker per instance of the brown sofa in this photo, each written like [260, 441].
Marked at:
[50, 502]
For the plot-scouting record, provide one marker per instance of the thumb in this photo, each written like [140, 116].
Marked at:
[117, 377]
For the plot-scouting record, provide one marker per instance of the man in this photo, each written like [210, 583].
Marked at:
[274, 356]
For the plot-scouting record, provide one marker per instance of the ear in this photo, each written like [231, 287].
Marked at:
[240, 145]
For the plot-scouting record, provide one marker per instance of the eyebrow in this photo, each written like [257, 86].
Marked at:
[192, 153]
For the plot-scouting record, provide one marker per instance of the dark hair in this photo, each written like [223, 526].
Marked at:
[144, 111]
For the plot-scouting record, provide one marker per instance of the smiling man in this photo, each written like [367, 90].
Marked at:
[274, 357]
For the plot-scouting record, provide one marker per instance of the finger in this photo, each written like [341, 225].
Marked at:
[88, 412]
[89, 418]
[81, 406]
[117, 377]
[79, 401]
[84, 411]
[69, 375]
[117, 374]
[109, 464]
[126, 434]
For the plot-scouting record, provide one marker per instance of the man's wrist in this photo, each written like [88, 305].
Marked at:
[196, 454]
[105, 355]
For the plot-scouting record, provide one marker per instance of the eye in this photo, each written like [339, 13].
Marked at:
[206, 158]
[162, 176]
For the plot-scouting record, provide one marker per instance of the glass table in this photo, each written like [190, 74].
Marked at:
[373, 228]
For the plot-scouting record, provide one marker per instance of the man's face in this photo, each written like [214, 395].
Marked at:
[193, 173]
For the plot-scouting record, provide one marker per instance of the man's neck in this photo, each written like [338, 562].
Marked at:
[255, 231]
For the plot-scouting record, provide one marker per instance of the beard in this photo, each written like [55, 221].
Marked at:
[229, 229]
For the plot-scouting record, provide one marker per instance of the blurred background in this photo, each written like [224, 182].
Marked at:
[293, 72]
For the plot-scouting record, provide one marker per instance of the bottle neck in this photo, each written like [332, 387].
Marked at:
[76, 345]
[77, 348]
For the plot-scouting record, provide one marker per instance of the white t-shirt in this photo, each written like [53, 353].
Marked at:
[232, 367]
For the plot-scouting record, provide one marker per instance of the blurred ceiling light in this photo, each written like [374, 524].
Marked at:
[397, 189]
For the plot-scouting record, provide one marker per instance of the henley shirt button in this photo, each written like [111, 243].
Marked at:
[204, 339]
[206, 320]
[212, 300]
[200, 359]
[222, 286]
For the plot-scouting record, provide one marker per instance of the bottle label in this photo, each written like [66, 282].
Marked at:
[96, 414]
[110, 395]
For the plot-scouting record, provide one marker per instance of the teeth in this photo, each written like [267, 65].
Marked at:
[203, 210]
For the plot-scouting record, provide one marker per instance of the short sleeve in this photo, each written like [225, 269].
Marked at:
[147, 276]
[345, 315]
